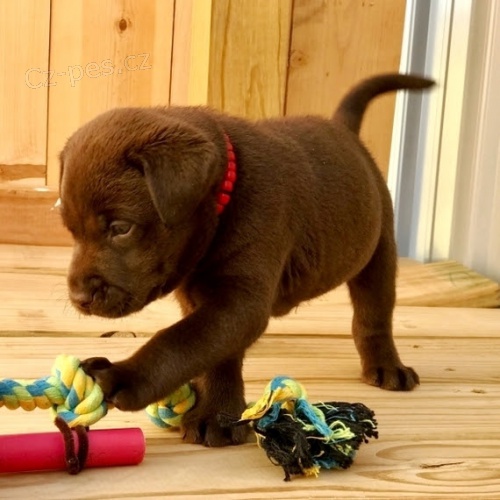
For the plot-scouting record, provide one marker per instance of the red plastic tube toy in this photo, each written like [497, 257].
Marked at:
[46, 450]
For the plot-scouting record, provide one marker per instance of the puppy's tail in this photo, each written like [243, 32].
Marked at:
[353, 106]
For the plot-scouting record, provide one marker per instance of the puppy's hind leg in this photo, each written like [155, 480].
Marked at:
[373, 295]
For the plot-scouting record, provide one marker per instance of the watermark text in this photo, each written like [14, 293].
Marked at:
[36, 78]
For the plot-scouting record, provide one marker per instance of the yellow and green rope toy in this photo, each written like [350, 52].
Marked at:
[300, 436]
[78, 400]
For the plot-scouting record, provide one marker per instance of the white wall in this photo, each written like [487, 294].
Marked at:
[445, 163]
[475, 232]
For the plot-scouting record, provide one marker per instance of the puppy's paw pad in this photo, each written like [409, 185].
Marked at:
[394, 378]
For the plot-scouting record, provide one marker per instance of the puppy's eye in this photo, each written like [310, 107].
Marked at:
[120, 228]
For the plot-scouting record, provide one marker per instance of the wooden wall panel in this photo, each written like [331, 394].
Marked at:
[105, 54]
[334, 44]
[24, 59]
[249, 56]
[256, 58]
[35, 222]
[191, 52]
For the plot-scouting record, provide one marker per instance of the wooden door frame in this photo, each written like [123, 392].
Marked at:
[426, 134]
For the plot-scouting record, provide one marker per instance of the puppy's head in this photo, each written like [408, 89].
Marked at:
[136, 194]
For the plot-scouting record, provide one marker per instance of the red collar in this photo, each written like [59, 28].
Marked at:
[226, 188]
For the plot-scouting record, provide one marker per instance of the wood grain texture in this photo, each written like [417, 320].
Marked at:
[191, 52]
[24, 59]
[449, 284]
[105, 55]
[26, 217]
[34, 299]
[334, 44]
[440, 441]
[11, 174]
[248, 56]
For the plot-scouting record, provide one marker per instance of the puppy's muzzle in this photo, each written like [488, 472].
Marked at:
[85, 294]
[94, 295]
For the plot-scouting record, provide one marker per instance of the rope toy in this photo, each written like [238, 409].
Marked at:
[79, 401]
[69, 392]
[299, 436]
[302, 437]
[168, 412]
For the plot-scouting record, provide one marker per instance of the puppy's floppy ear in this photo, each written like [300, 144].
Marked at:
[178, 166]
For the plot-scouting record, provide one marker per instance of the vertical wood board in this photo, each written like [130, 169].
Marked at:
[24, 59]
[334, 44]
[191, 52]
[105, 54]
[249, 56]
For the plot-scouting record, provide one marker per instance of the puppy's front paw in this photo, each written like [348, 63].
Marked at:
[208, 432]
[201, 426]
[118, 383]
[392, 378]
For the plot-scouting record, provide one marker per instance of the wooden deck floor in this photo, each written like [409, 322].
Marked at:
[440, 441]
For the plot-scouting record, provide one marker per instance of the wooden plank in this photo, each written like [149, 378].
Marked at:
[26, 217]
[249, 56]
[400, 471]
[25, 173]
[336, 363]
[435, 284]
[110, 54]
[449, 284]
[440, 441]
[30, 258]
[24, 57]
[33, 298]
[37, 303]
[191, 52]
[336, 43]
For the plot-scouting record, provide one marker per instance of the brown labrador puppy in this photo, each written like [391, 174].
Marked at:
[244, 221]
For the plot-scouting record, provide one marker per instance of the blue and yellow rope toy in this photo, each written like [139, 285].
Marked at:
[303, 437]
[78, 400]
[300, 436]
